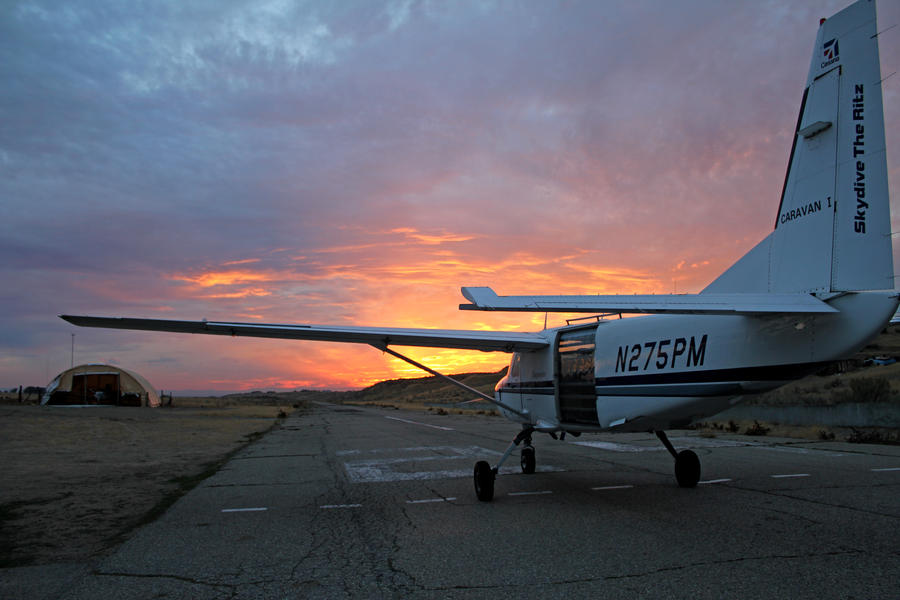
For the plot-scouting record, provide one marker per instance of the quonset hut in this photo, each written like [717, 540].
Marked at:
[100, 384]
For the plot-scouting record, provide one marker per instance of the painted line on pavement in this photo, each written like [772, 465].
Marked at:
[529, 493]
[886, 469]
[428, 500]
[377, 466]
[231, 510]
[713, 481]
[423, 424]
[790, 475]
[613, 487]
[341, 506]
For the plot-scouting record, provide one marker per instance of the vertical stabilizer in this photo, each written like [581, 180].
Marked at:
[832, 231]
[862, 258]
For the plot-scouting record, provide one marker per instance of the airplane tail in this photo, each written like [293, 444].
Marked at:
[833, 231]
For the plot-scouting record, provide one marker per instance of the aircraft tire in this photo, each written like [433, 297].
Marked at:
[484, 481]
[528, 460]
[687, 469]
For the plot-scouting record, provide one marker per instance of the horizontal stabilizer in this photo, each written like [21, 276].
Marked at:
[484, 298]
[488, 341]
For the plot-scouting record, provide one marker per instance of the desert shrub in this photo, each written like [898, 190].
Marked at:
[756, 429]
[869, 389]
[865, 436]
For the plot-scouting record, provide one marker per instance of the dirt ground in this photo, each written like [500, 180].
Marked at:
[76, 481]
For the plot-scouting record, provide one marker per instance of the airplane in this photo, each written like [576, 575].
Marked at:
[816, 289]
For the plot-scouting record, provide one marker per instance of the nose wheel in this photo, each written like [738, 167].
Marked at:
[528, 460]
[484, 481]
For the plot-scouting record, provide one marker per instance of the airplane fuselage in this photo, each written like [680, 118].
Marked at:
[663, 371]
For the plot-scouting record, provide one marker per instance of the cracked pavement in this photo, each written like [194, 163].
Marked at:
[599, 523]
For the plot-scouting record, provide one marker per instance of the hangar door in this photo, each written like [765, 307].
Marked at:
[95, 388]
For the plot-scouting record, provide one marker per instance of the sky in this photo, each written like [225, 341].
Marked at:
[357, 162]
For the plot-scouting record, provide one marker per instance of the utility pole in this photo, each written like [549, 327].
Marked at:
[73, 350]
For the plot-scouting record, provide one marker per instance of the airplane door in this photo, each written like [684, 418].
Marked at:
[576, 389]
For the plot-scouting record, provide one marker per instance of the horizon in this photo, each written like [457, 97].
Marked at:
[357, 163]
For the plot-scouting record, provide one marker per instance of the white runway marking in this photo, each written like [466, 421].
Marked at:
[529, 493]
[412, 449]
[886, 469]
[231, 510]
[423, 424]
[428, 500]
[613, 487]
[713, 481]
[798, 450]
[409, 466]
[679, 442]
[698, 442]
[790, 475]
[341, 506]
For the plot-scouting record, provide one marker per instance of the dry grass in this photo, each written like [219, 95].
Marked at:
[75, 480]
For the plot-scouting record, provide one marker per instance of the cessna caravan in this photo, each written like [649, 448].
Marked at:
[814, 290]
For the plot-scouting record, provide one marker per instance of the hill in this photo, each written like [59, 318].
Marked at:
[424, 391]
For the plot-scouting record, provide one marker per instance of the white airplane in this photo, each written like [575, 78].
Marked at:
[815, 290]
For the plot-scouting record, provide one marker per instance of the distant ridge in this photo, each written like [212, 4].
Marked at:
[419, 390]
[425, 390]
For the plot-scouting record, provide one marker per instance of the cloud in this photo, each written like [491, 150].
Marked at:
[357, 162]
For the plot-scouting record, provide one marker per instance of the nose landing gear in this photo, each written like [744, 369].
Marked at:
[485, 475]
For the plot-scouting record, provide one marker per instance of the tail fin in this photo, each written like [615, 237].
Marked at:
[832, 232]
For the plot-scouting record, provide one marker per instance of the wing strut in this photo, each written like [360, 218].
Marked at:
[455, 382]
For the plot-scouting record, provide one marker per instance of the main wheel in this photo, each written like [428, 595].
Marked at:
[528, 460]
[484, 481]
[687, 469]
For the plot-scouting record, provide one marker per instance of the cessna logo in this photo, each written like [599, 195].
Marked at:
[830, 52]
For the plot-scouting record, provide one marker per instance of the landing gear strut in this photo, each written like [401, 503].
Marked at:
[485, 475]
[687, 465]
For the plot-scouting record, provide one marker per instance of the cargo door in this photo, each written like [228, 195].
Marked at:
[576, 390]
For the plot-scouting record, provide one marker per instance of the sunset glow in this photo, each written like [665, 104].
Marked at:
[357, 163]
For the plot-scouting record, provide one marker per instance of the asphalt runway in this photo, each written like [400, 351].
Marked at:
[346, 502]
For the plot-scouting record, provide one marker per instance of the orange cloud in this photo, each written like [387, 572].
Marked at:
[245, 293]
[213, 278]
[401, 277]
[440, 239]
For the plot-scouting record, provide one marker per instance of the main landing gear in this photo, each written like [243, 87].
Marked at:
[687, 465]
[485, 475]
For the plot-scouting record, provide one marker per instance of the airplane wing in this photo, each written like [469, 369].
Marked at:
[484, 298]
[488, 341]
